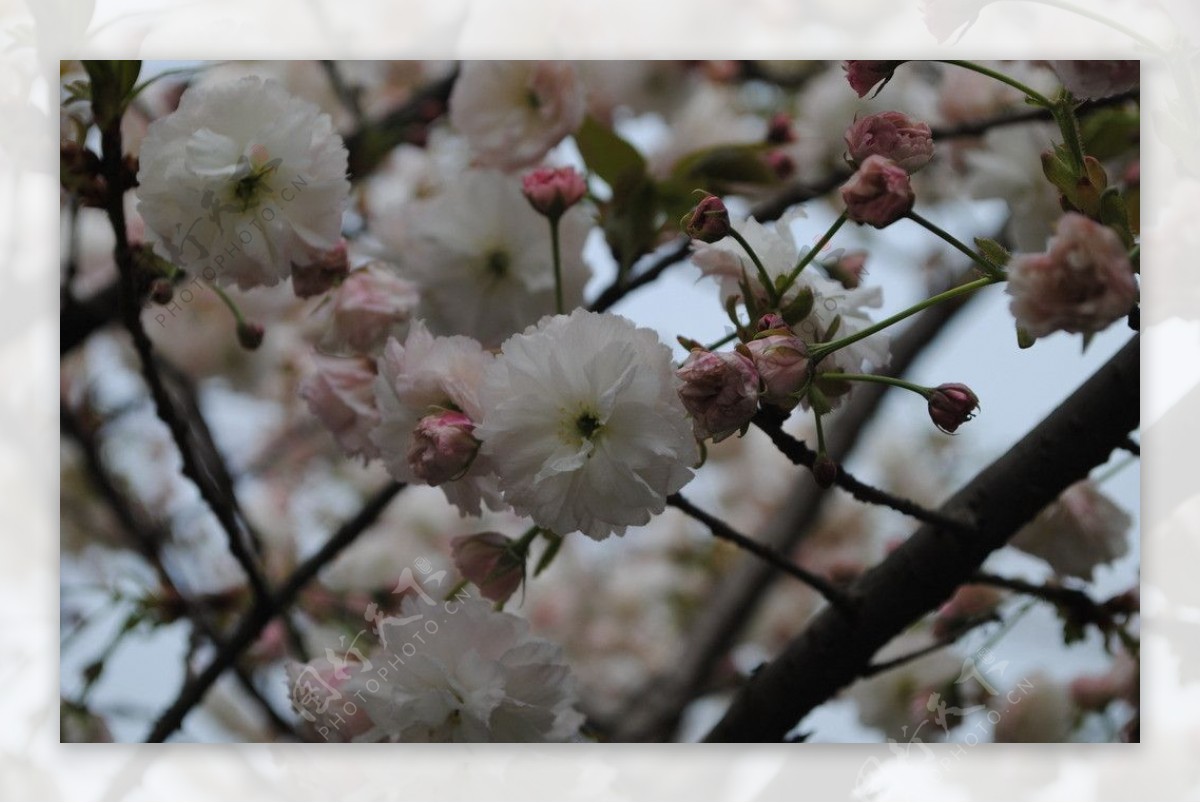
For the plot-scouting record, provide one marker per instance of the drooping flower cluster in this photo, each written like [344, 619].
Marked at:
[242, 182]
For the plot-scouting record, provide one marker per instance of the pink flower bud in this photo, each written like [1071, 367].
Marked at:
[1082, 283]
[781, 164]
[161, 291]
[488, 561]
[878, 193]
[720, 390]
[780, 130]
[372, 304]
[342, 394]
[850, 269]
[825, 471]
[709, 221]
[952, 405]
[250, 335]
[891, 134]
[443, 447]
[772, 320]
[318, 276]
[782, 363]
[552, 191]
[864, 75]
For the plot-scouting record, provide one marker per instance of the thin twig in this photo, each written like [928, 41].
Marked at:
[1132, 446]
[835, 596]
[258, 618]
[147, 542]
[885, 666]
[800, 454]
[618, 289]
[114, 172]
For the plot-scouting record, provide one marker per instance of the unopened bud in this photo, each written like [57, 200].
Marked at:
[709, 221]
[443, 447]
[782, 361]
[879, 193]
[780, 130]
[161, 291]
[552, 191]
[250, 335]
[782, 165]
[489, 561]
[720, 390]
[952, 405]
[825, 471]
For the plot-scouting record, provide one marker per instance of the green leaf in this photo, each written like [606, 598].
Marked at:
[799, 308]
[995, 253]
[607, 155]
[1114, 213]
[834, 326]
[1108, 133]
[724, 165]
[551, 550]
[631, 220]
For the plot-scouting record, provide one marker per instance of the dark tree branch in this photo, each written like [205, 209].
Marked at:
[370, 145]
[1078, 604]
[799, 453]
[899, 661]
[832, 594]
[652, 713]
[1132, 446]
[618, 289]
[148, 542]
[258, 618]
[924, 571]
[113, 168]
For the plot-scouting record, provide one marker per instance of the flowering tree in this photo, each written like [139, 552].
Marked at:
[442, 489]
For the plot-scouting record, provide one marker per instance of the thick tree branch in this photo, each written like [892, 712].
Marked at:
[929, 566]
[652, 713]
[618, 289]
[799, 453]
[258, 618]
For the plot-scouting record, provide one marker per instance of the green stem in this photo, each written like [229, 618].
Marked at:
[1064, 115]
[728, 338]
[233, 308]
[820, 351]
[881, 380]
[521, 545]
[988, 268]
[1029, 92]
[820, 434]
[812, 254]
[763, 276]
[558, 285]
